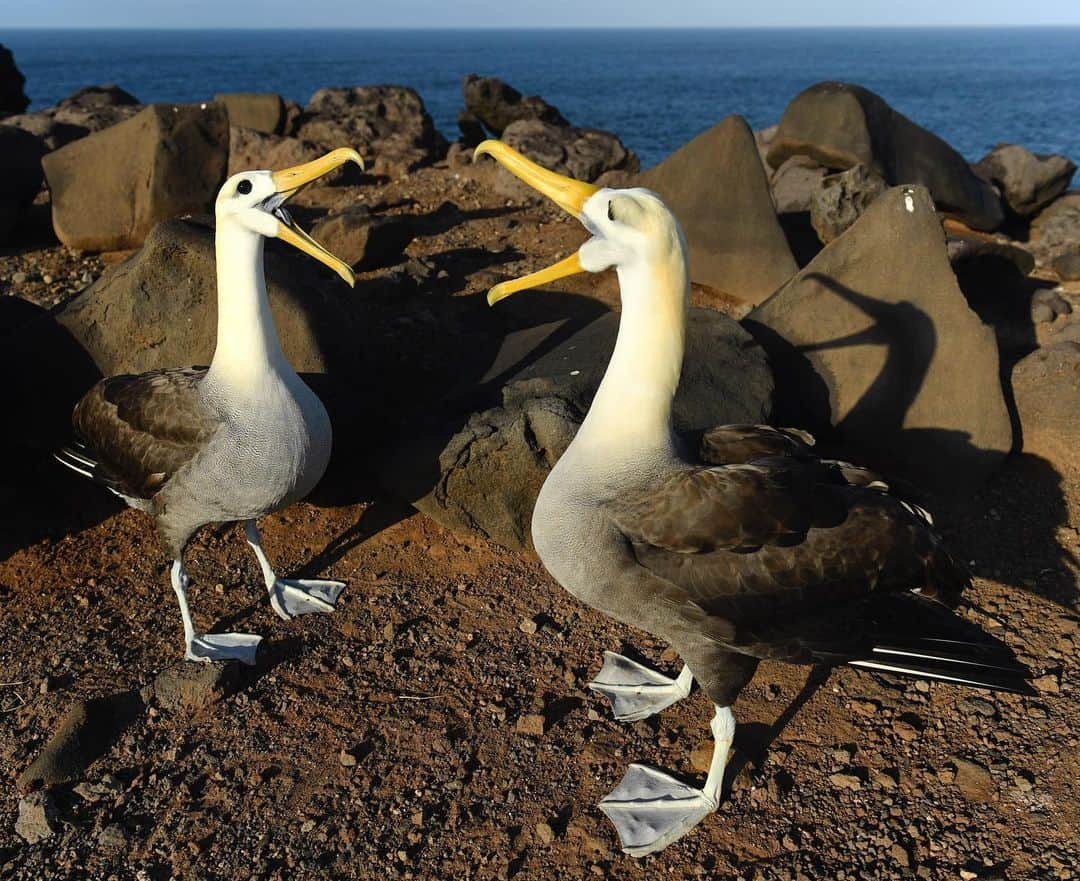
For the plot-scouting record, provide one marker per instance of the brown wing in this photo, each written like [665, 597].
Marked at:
[785, 548]
[140, 430]
[739, 444]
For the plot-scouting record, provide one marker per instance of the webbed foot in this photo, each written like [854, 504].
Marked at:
[651, 809]
[290, 597]
[636, 691]
[240, 647]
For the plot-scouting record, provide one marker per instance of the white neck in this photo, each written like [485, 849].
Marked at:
[247, 342]
[631, 413]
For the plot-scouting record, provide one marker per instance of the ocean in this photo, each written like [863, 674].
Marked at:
[655, 88]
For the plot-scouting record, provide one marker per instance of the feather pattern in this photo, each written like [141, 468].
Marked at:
[796, 551]
[138, 431]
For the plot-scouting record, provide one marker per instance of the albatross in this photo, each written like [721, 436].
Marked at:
[750, 547]
[232, 441]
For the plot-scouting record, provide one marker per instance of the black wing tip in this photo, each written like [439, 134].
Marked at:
[978, 665]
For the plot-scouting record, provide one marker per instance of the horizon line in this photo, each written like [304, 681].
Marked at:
[531, 27]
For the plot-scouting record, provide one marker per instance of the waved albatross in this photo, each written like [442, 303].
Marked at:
[237, 440]
[751, 548]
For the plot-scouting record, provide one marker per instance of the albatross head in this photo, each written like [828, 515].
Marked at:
[256, 200]
[628, 226]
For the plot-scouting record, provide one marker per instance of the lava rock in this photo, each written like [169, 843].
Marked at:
[1028, 182]
[877, 351]
[86, 731]
[974, 781]
[363, 241]
[261, 111]
[718, 191]
[1067, 265]
[582, 153]
[1046, 388]
[840, 125]
[489, 473]
[20, 175]
[12, 97]
[1047, 305]
[89, 109]
[187, 687]
[965, 250]
[37, 818]
[1056, 229]
[110, 188]
[496, 104]
[795, 183]
[45, 127]
[387, 124]
[159, 308]
[842, 198]
[250, 149]
[471, 128]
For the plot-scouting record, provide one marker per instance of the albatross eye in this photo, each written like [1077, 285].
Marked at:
[611, 209]
[244, 187]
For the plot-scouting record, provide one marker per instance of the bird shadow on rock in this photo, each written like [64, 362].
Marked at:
[924, 463]
[465, 374]
[448, 216]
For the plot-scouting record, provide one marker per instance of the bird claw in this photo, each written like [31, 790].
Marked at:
[290, 597]
[208, 647]
[650, 809]
[636, 691]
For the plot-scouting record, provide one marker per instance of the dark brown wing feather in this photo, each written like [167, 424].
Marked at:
[142, 429]
[739, 444]
[787, 546]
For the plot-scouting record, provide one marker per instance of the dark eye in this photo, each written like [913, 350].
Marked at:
[244, 187]
[611, 210]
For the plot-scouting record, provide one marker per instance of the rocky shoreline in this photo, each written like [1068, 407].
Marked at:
[852, 275]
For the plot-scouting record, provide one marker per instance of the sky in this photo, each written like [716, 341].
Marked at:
[517, 13]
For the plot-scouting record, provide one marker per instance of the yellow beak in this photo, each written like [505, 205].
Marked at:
[288, 182]
[569, 194]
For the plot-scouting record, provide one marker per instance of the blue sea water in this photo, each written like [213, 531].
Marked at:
[655, 88]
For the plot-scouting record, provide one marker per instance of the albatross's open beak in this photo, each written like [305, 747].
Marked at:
[569, 194]
[289, 182]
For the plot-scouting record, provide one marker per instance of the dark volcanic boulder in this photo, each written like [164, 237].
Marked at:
[250, 149]
[20, 175]
[1028, 182]
[159, 308]
[1067, 264]
[388, 125]
[717, 189]
[87, 110]
[490, 472]
[1056, 230]
[110, 188]
[583, 153]
[1046, 388]
[12, 97]
[795, 183]
[94, 108]
[43, 125]
[876, 350]
[840, 125]
[262, 111]
[496, 104]
[842, 198]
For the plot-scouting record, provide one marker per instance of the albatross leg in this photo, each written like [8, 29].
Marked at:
[210, 646]
[636, 691]
[651, 809]
[290, 597]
